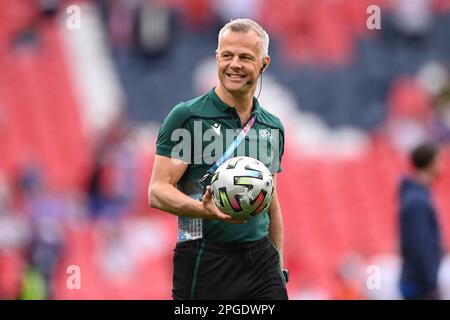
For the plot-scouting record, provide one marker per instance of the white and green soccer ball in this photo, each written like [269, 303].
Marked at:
[242, 187]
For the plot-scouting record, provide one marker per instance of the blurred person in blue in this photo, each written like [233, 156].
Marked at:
[420, 235]
[45, 209]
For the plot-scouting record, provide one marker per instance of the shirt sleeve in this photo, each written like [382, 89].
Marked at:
[174, 139]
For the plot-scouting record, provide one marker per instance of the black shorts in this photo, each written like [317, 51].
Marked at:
[248, 271]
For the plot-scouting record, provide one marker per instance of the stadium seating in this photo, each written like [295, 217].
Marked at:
[41, 114]
[332, 208]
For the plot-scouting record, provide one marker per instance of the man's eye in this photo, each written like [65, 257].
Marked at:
[226, 56]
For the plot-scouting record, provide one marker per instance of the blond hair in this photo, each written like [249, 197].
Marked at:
[244, 26]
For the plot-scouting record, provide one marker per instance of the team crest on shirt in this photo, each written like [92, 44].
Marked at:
[265, 133]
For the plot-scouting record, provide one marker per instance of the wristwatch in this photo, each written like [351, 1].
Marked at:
[286, 275]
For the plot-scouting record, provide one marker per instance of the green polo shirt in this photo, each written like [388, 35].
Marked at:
[198, 132]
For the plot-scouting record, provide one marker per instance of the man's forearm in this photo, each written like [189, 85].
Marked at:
[170, 199]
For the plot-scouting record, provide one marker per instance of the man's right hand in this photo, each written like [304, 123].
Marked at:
[213, 213]
[163, 194]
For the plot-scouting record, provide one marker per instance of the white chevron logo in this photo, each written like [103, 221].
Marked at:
[216, 128]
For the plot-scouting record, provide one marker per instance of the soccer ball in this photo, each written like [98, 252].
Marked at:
[242, 187]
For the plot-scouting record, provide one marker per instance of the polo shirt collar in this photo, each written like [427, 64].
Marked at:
[222, 106]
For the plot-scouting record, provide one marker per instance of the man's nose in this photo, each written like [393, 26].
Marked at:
[236, 63]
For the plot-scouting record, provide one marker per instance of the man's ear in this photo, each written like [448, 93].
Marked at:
[217, 55]
[266, 63]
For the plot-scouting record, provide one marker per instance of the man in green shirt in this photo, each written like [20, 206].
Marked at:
[217, 257]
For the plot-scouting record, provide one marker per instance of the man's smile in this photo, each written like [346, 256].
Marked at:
[235, 76]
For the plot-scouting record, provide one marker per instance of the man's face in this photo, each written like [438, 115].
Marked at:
[239, 59]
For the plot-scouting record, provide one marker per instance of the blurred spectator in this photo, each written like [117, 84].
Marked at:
[153, 29]
[413, 18]
[120, 23]
[113, 181]
[410, 114]
[45, 211]
[49, 8]
[442, 119]
[112, 192]
[14, 233]
[228, 10]
[197, 15]
[34, 286]
[26, 41]
[30, 31]
[349, 279]
[28, 38]
[420, 234]
[434, 78]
